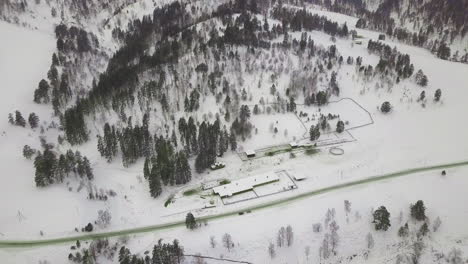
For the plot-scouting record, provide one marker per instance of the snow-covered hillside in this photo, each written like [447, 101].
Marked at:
[211, 70]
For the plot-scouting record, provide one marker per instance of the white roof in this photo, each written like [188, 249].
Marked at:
[209, 185]
[244, 184]
[250, 152]
[299, 177]
[294, 144]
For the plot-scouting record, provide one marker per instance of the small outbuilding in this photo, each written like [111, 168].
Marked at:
[294, 144]
[250, 153]
[299, 177]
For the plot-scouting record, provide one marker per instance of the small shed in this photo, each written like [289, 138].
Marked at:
[250, 153]
[294, 144]
[299, 177]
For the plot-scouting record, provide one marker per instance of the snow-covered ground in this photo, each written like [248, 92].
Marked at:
[410, 136]
[444, 197]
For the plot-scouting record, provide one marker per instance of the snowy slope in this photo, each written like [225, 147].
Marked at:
[410, 136]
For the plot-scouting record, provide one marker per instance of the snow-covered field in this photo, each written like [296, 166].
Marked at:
[444, 197]
[411, 136]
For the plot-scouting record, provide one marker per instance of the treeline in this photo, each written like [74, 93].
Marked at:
[104, 250]
[300, 19]
[166, 253]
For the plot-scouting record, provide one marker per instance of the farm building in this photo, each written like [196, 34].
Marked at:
[250, 153]
[294, 144]
[245, 184]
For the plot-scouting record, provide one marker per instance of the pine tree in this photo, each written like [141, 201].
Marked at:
[146, 168]
[418, 211]
[423, 230]
[182, 172]
[10, 119]
[19, 119]
[33, 120]
[88, 171]
[381, 218]
[314, 132]
[421, 78]
[403, 231]
[45, 165]
[41, 94]
[28, 151]
[155, 183]
[422, 96]
[55, 60]
[233, 141]
[190, 221]
[340, 126]
[437, 95]
[386, 107]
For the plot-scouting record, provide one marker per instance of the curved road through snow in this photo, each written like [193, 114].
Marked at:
[151, 228]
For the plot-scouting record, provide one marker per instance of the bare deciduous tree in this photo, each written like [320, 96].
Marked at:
[370, 241]
[324, 249]
[307, 252]
[227, 242]
[289, 236]
[198, 259]
[317, 228]
[104, 219]
[271, 250]
[334, 238]
[330, 215]
[212, 242]
[455, 256]
[281, 236]
[347, 206]
[436, 225]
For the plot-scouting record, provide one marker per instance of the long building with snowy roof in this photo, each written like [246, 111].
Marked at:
[245, 184]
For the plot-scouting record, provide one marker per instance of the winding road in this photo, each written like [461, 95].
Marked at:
[160, 227]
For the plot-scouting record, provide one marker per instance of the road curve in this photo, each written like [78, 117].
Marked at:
[151, 228]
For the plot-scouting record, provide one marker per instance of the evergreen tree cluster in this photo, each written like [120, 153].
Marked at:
[188, 134]
[74, 39]
[108, 145]
[73, 121]
[314, 132]
[18, 120]
[171, 25]
[168, 167]
[193, 103]
[163, 253]
[56, 89]
[320, 99]
[242, 126]
[190, 221]
[135, 142]
[211, 142]
[391, 60]
[381, 218]
[50, 169]
[439, 22]
[299, 20]
[418, 211]
[421, 78]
